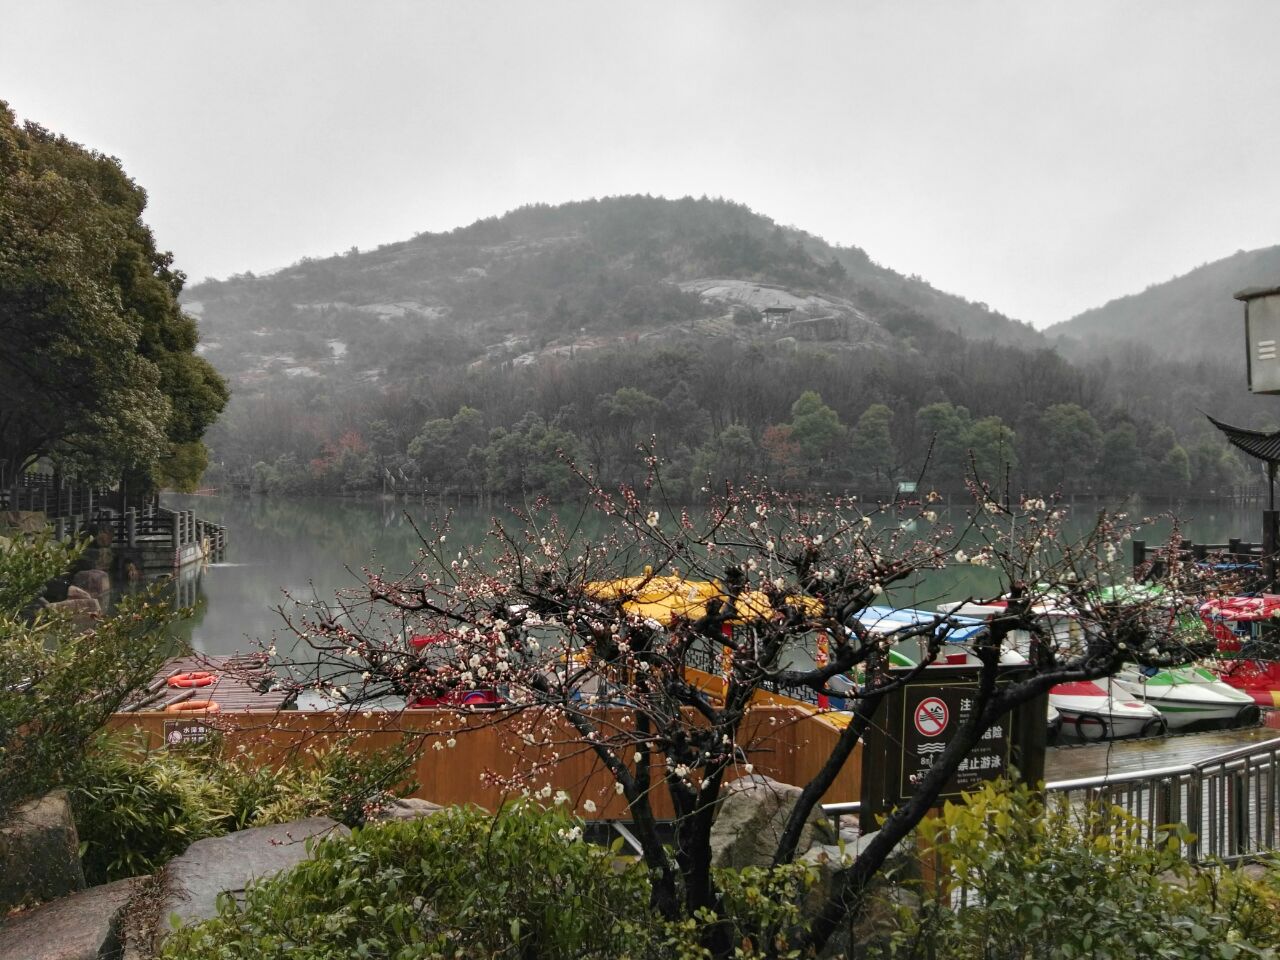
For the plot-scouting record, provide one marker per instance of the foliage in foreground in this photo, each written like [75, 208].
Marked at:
[135, 810]
[59, 683]
[1028, 881]
[462, 883]
[465, 883]
[1044, 881]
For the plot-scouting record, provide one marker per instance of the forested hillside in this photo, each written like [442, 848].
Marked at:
[465, 360]
[1191, 317]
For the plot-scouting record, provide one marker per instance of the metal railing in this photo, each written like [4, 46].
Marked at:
[1230, 803]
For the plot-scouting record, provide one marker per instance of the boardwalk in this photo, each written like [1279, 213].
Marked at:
[1130, 756]
[233, 694]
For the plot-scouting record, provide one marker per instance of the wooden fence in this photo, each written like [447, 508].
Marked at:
[785, 743]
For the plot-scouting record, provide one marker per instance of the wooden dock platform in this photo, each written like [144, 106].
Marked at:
[1153, 753]
[233, 690]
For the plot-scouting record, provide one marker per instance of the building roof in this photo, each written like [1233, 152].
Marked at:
[1264, 446]
[1253, 293]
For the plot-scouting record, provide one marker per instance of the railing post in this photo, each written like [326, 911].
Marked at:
[60, 528]
[131, 526]
[1195, 814]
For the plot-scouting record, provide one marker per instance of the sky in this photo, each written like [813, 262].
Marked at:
[1040, 157]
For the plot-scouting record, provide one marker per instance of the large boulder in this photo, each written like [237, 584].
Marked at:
[410, 808]
[753, 811]
[83, 926]
[95, 583]
[83, 612]
[39, 853]
[77, 593]
[886, 896]
[17, 522]
[191, 883]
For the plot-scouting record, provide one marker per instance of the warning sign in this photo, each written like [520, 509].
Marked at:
[931, 717]
[932, 713]
[921, 719]
[185, 733]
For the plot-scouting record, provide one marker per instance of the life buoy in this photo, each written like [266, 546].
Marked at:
[1086, 721]
[194, 706]
[1155, 727]
[197, 678]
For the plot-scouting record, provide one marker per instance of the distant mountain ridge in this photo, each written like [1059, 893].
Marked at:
[1191, 317]
[542, 281]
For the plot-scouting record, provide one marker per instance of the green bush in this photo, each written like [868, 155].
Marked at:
[1028, 879]
[462, 883]
[136, 809]
[59, 683]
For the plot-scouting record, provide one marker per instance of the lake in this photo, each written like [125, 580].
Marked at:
[316, 547]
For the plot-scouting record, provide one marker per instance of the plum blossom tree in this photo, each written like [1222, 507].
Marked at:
[644, 634]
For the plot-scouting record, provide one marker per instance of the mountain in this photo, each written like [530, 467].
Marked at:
[1191, 317]
[547, 281]
[468, 361]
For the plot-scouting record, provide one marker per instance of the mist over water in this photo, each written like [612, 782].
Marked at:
[313, 548]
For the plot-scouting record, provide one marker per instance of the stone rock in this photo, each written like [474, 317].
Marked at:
[94, 583]
[23, 521]
[40, 853]
[192, 882]
[81, 611]
[885, 897]
[83, 926]
[1256, 871]
[752, 814]
[34, 607]
[77, 593]
[408, 809]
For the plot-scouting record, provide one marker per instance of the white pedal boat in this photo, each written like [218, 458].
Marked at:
[1187, 695]
[1092, 711]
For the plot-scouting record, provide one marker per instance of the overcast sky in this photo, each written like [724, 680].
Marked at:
[1042, 157]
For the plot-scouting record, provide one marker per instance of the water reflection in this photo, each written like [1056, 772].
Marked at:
[314, 548]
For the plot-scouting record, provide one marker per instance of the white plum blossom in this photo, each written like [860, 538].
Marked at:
[589, 806]
[652, 519]
[961, 557]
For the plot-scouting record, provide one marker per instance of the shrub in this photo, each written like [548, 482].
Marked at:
[1030, 879]
[59, 684]
[462, 883]
[136, 809]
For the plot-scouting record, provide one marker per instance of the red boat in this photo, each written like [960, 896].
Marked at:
[477, 697]
[1237, 623]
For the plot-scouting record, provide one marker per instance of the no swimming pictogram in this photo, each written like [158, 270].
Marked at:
[931, 717]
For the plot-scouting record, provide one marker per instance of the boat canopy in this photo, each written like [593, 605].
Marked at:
[665, 599]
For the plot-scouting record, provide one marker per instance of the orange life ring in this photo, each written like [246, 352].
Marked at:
[194, 706]
[197, 678]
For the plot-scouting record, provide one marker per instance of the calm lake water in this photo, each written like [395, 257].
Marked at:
[314, 548]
